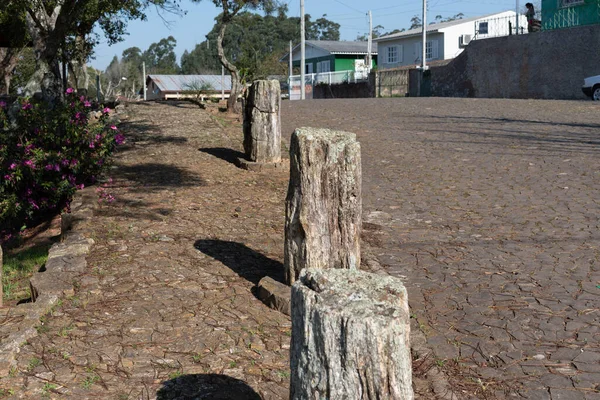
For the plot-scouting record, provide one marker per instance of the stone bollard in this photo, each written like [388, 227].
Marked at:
[350, 337]
[262, 125]
[1, 281]
[323, 204]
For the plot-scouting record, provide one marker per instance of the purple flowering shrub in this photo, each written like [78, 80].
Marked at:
[46, 154]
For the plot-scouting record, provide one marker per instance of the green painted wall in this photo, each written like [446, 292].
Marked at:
[336, 62]
[556, 17]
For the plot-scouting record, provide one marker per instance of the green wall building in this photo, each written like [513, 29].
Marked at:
[557, 14]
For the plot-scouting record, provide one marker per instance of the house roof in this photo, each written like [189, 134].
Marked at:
[337, 47]
[182, 83]
[340, 47]
[434, 27]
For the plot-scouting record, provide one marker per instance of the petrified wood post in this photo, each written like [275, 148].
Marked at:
[262, 123]
[1, 286]
[350, 337]
[323, 204]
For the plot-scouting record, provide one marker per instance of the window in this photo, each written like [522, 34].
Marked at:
[323, 66]
[569, 3]
[308, 69]
[483, 28]
[431, 50]
[392, 54]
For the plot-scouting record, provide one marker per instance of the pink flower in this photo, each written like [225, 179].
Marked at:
[34, 204]
[92, 145]
[106, 110]
[80, 186]
[49, 167]
[29, 163]
[119, 139]
[56, 167]
[87, 104]
[113, 127]
[27, 106]
[74, 163]
[70, 90]
[13, 166]
[7, 177]
[81, 98]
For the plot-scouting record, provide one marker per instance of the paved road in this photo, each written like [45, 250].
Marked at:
[490, 209]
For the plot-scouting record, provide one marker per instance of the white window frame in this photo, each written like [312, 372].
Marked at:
[432, 54]
[569, 3]
[392, 55]
[324, 66]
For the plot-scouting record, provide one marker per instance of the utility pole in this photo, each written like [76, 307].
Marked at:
[302, 54]
[517, 17]
[144, 78]
[291, 71]
[369, 42]
[424, 22]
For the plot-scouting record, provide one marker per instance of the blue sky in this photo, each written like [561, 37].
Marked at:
[350, 14]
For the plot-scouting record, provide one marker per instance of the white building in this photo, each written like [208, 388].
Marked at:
[445, 40]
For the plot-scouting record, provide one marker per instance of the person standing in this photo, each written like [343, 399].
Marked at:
[533, 25]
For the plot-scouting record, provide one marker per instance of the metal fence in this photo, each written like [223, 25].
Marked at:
[500, 26]
[329, 78]
[392, 83]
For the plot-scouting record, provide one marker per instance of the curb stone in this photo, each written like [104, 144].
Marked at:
[66, 260]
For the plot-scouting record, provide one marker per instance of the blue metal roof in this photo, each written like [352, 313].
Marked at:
[182, 83]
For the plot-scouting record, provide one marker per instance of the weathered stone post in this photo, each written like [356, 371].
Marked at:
[350, 337]
[262, 125]
[1, 286]
[323, 204]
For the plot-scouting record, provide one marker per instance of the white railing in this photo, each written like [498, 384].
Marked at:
[328, 78]
[500, 26]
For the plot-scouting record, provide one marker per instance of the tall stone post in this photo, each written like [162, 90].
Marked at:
[350, 337]
[1, 285]
[262, 125]
[323, 204]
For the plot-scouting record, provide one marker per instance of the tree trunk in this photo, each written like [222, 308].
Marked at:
[9, 58]
[262, 123]
[46, 45]
[323, 204]
[236, 85]
[350, 337]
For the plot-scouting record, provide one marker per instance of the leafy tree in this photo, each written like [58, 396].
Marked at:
[378, 32]
[160, 57]
[62, 30]
[229, 9]
[321, 29]
[415, 22]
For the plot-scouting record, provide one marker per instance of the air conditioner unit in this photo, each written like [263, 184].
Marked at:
[463, 40]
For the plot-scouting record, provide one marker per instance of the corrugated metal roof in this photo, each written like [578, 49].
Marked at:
[340, 47]
[434, 27]
[182, 83]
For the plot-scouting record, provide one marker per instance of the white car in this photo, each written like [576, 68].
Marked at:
[591, 87]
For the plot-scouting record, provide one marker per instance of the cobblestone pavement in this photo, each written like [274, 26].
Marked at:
[166, 308]
[490, 210]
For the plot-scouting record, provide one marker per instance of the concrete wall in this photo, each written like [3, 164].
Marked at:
[345, 90]
[543, 65]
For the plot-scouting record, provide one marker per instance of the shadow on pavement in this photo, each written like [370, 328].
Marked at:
[223, 153]
[206, 386]
[247, 263]
[154, 176]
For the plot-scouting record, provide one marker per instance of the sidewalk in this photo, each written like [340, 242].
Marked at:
[166, 306]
